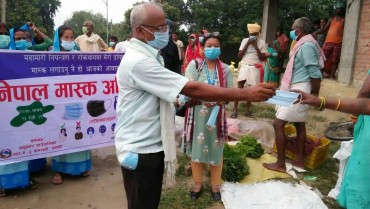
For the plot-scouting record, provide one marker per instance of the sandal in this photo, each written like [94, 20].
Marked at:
[2, 193]
[57, 179]
[248, 114]
[234, 115]
[86, 174]
[33, 184]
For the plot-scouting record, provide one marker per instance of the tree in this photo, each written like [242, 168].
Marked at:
[79, 17]
[289, 10]
[41, 12]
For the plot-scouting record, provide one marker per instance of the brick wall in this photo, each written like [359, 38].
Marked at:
[362, 60]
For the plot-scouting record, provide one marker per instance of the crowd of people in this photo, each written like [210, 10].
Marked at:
[158, 73]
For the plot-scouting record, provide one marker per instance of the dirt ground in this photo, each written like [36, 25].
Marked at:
[104, 188]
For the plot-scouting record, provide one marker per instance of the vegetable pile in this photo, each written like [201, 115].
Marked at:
[235, 166]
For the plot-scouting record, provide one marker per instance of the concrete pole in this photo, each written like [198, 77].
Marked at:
[107, 24]
[269, 20]
[3, 11]
[349, 44]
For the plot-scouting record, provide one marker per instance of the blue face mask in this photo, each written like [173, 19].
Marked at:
[111, 43]
[160, 39]
[283, 98]
[292, 35]
[212, 53]
[4, 41]
[73, 111]
[68, 45]
[253, 37]
[201, 39]
[21, 45]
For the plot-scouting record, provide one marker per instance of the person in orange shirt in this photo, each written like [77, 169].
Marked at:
[333, 42]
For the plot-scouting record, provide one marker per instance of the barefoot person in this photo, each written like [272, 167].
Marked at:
[252, 52]
[145, 132]
[302, 73]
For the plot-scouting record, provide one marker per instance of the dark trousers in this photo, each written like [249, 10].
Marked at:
[143, 186]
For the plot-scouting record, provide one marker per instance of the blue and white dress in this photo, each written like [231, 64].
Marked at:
[14, 176]
[74, 163]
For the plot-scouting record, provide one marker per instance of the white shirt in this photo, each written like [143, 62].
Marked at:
[180, 45]
[122, 46]
[251, 57]
[143, 82]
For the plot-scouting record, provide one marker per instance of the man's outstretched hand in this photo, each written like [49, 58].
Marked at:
[260, 92]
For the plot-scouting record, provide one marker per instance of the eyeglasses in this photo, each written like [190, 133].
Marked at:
[162, 28]
[215, 34]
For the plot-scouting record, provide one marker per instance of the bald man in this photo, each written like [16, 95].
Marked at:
[145, 132]
[89, 41]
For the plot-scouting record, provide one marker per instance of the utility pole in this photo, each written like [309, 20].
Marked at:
[106, 4]
[3, 11]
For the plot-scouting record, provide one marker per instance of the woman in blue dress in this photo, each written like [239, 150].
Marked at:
[78, 163]
[15, 175]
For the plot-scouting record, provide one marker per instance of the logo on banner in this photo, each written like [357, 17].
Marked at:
[5, 153]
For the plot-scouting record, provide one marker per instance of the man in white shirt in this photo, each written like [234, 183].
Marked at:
[122, 46]
[144, 133]
[89, 41]
[252, 53]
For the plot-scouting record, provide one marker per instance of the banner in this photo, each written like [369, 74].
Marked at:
[56, 103]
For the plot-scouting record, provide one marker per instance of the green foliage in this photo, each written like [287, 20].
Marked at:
[249, 147]
[235, 166]
[41, 12]
[179, 198]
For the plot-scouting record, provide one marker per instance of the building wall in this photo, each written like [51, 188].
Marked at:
[362, 60]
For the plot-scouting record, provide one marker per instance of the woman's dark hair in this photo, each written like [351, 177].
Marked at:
[4, 25]
[210, 35]
[63, 28]
[114, 38]
[18, 29]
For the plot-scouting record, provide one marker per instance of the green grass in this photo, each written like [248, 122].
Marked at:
[260, 110]
[327, 175]
[179, 196]
[319, 118]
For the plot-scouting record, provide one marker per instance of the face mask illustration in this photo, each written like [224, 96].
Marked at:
[96, 108]
[73, 111]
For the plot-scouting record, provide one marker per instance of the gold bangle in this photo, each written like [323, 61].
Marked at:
[321, 103]
[337, 105]
[324, 105]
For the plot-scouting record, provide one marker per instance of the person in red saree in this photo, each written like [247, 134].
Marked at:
[192, 51]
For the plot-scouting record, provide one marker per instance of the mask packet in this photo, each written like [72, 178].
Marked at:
[283, 98]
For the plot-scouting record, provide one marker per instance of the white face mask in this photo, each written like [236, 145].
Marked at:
[68, 45]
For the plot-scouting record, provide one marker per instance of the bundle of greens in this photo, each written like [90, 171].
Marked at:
[249, 147]
[235, 166]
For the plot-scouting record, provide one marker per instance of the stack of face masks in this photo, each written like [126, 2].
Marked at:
[283, 98]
